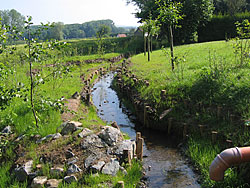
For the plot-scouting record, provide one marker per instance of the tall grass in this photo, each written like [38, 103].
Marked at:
[19, 116]
[207, 76]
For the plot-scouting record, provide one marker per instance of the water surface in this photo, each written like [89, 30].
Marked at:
[164, 165]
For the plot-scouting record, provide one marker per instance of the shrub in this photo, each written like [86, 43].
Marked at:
[221, 27]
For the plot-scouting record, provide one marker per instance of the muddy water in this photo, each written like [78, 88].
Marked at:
[165, 167]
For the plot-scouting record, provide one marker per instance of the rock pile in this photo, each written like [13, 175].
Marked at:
[103, 151]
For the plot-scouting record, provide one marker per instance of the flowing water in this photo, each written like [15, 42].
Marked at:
[164, 165]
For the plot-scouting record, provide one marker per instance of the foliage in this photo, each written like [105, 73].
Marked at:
[221, 27]
[242, 46]
[35, 54]
[129, 45]
[102, 32]
[56, 31]
[169, 13]
[150, 28]
[75, 31]
[195, 13]
[211, 78]
[6, 91]
[13, 19]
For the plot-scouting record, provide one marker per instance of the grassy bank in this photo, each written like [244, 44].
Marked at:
[209, 87]
[57, 80]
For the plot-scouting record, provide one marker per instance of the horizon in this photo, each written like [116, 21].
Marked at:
[75, 11]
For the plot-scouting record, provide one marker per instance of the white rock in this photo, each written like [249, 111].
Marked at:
[38, 182]
[111, 168]
[70, 179]
[53, 183]
[110, 135]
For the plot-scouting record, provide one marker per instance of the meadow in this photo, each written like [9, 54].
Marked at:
[207, 77]
[56, 78]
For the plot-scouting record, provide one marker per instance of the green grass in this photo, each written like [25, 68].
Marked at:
[18, 113]
[130, 180]
[202, 158]
[208, 75]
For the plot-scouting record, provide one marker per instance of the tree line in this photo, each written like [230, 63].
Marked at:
[195, 14]
[59, 31]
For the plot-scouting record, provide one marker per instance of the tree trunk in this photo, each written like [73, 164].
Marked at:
[148, 48]
[171, 45]
[151, 46]
[32, 85]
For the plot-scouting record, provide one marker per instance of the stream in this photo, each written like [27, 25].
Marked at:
[164, 165]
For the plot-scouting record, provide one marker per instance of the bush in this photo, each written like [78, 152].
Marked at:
[132, 45]
[221, 27]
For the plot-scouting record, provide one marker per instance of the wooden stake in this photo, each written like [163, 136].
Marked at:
[214, 136]
[120, 184]
[139, 148]
[127, 156]
[163, 93]
[202, 127]
[229, 143]
[138, 135]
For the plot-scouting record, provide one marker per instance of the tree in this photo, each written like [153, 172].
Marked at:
[150, 29]
[169, 12]
[36, 53]
[13, 19]
[231, 7]
[195, 13]
[56, 32]
[102, 32]
[235, 6]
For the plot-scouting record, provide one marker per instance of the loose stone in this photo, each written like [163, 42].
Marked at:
[39, 181]
[70, 179]
[73, 168]
[53, 183]
[111, 168]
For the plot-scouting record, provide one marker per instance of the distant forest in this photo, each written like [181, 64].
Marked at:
[76, 31]
[60, 30]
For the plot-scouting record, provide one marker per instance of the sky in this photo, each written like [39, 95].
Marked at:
[74, 11]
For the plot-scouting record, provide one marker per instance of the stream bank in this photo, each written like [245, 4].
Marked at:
[164, 165]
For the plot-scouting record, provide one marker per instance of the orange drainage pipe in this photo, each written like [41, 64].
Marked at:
[226, 159]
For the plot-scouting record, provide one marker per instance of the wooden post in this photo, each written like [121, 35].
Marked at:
[163, 94]
[138, 135]
[169, 124]
[229, 143]
[214, 136]
[202, 127]
[139, 148]
[120, 184]
[127, 156]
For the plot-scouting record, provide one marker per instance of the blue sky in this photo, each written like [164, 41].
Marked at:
[74, 11]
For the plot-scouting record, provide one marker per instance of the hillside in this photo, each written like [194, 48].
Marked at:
[206, 97]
